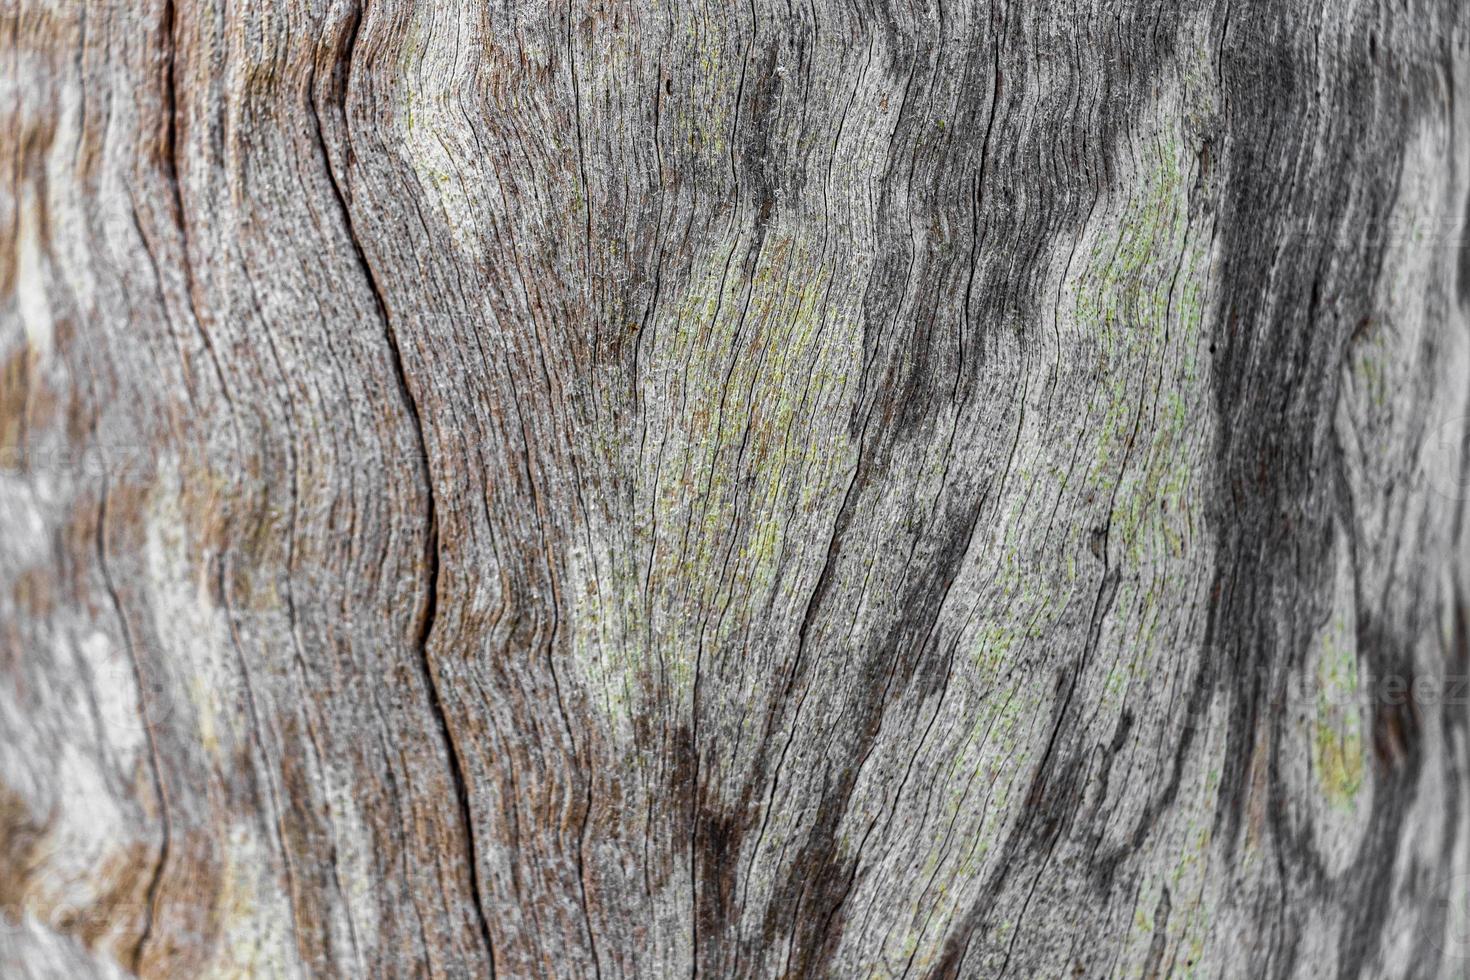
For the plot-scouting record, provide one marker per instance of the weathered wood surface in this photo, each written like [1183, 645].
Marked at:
[651, 488]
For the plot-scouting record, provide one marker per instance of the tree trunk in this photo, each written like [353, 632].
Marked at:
[638, 488]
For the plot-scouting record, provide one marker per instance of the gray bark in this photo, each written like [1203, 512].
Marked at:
[635, 489]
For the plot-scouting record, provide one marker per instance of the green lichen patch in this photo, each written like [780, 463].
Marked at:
[1337, 746]
[744, 459]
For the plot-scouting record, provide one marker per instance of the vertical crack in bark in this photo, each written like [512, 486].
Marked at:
[426, 627]
[171, 111]
[431, 556]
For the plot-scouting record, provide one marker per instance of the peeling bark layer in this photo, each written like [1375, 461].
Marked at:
[633, 489]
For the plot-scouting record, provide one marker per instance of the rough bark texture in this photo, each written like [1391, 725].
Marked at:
[641, 488]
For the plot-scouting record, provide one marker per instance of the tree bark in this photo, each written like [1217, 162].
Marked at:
[639, 489]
